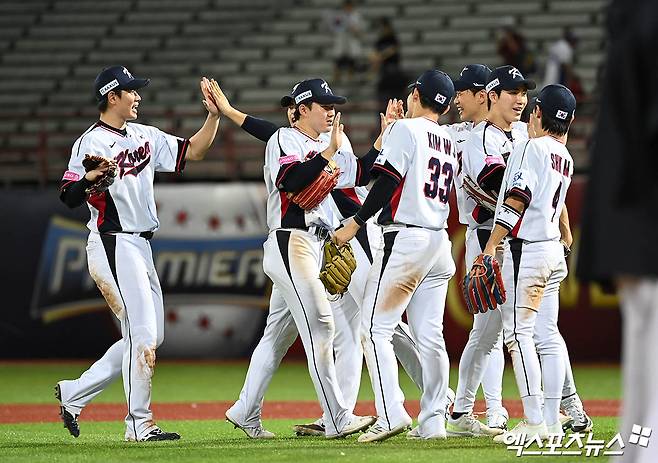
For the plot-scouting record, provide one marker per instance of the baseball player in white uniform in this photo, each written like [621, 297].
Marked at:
[415, 171]
[123, 220]
[280, 331]
[484, 152]
[294, 157]
[528, 210]
[471, 102]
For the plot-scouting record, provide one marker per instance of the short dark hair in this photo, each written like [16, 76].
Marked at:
[102, 105]
[554, 126]
[297, 115]
[426, 103]
[497, 91]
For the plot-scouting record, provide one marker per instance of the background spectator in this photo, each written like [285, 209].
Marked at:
[385, 61]
[347, 26]
[559, 64]
[512, 48]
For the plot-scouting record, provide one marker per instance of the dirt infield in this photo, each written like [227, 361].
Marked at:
[40, 413]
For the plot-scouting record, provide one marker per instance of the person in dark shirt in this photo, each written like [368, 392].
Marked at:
[385, 60]
[618, 246]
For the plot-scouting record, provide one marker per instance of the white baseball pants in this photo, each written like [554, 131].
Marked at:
[411, 274]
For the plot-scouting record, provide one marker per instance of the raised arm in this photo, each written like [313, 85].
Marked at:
[201, 141]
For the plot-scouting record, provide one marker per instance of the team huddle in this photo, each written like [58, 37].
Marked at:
[374, 225]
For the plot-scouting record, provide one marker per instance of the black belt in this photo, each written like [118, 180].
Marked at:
[403, 225]
[147, 235]
[320, 233]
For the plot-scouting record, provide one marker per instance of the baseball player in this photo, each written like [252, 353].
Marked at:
[482, 164]
[471, 102]
[575, 417]
[294, 158]
[123, 220]
[528, 212]
[414, 172]
[347, 343]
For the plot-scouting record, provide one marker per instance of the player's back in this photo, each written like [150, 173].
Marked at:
[419, 153]
[539, 170]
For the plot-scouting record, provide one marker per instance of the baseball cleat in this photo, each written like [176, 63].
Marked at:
[527, 431]
[356, 424]
[311, 429]
[451, 401]
[573, 407]
[497, 418]
[378, 432]
[468, 426]
[155, 434]
[253, 432]
[69, 419]
[555, 430]
[414, 434]
[565, 420]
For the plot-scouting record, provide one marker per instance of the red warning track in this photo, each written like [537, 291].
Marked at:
[40, 413]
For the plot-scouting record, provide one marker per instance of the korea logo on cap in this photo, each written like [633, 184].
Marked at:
[440, 98]
[561, 114]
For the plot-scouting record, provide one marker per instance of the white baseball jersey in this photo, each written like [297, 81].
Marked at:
[421, 155]
[540, 171]
[483, 153]
[290, 146]
[140, 150]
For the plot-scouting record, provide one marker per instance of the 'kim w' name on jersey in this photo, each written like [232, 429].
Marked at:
[290, 146]
[538, 171]
[140, 150]
[419, 154]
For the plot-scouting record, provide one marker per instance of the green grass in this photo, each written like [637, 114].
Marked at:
[217, 441]
[203, 382]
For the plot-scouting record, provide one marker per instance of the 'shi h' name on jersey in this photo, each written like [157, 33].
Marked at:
[419, 154]
[539, 172]
[140, 151]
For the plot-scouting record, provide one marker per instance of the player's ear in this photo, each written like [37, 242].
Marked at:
[481, 97]
[492, 96]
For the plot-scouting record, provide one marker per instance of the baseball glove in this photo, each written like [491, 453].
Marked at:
[314, 193]
[483, 286]
[103, 182]
[484, 199]
[339, 264]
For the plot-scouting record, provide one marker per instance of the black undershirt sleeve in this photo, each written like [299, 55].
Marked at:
[297, 176]
[259, 128]
[365, 164]
[74, 195]
[378, 196]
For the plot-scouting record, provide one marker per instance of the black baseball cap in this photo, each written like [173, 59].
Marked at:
[437, 86]
[472, 76]
[508, 78]
[316, 90]
[557, 102]
[116, 78]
